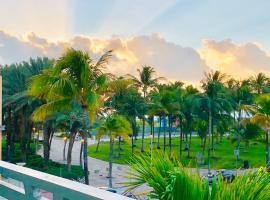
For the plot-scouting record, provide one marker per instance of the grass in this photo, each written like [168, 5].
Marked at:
[223, 157]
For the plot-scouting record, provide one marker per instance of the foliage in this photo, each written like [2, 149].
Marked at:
[113, 126]
[36, 162]
[169, 180]
[251, 185]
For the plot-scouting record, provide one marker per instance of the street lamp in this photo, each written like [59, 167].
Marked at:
[81, 151]
[64, 150]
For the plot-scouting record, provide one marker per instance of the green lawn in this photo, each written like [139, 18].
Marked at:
[223, 158]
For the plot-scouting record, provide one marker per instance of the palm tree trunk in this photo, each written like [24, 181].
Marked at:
[186, 141]
[170, 134]
[189, 145]
[153, 125]
[85, 159]
[97, 147]
[143, 132]
[209, 138]
[164, 141]
[110, 162]
[81, 154]
[85, 146]
[181, 140]
[119, 147]
[238, 135]
[134, 129]
[159, 129]
[204, 144]
[70, 147]
[64, 150]
[267, 147]
[9, 134]
[46, 142]
[212, 130]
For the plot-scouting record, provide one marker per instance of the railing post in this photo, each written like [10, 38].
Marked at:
[28, 188]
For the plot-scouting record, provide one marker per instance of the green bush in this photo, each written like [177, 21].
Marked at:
[16, 156]
[37, 162]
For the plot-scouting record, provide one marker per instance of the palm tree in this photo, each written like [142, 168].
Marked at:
[75, 77]
[261, 111]
[17, 105]
[259, 83]
[156, 108]
[72, 122]
[241, 96]
[145, 82]
[118, 90]
[114, 126]
[132, 107]
[214, 101]
[188, 106]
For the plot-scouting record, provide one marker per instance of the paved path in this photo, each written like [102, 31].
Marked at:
[98, 169]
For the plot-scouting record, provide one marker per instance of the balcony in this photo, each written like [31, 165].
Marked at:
[20, 183]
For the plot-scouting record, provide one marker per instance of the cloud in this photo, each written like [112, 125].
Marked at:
[238, 60]
[170, 60]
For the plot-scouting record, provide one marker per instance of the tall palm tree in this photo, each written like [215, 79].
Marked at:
[156, 108]
[133, 106]
[17, 105]
[241, 96]
[74, 77]
[145, 82]
[261, 111]
[114, 126]
[259, 83]
[71, 121]
[214, 101]
[188, 105]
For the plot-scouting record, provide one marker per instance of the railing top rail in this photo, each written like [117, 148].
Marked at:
[61, 182]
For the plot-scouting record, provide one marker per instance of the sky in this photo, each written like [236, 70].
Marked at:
[180, 38]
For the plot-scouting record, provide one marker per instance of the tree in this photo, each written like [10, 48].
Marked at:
[72, 122]
[241, 96]
[201, 127]
[214, 101]
[132, 107]
[261, 111]
[188, 106]
[248, 132]
[75, 77]
[17, 105]
[259, 83]
[114, 126]
[145, 82]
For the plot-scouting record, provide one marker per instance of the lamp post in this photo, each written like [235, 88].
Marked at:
[64, 151]
[81, 151]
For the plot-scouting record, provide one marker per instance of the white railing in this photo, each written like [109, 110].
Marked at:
[21, 183]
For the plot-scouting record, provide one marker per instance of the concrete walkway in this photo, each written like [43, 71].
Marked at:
[98, 169]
